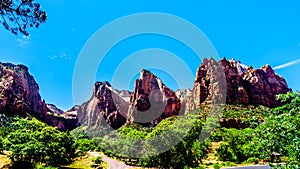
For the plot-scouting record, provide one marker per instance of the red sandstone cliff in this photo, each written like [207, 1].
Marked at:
[19, 94]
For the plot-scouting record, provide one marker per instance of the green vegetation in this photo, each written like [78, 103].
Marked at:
[271, 136]
[277, 139]
[87, 162]
[32, 142]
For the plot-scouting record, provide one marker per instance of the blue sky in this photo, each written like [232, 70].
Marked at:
[254, 32]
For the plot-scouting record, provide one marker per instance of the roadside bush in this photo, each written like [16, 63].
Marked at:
[85, 144]
[32, 141]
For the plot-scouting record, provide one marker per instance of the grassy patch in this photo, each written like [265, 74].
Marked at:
[85, 162]
[4, 161]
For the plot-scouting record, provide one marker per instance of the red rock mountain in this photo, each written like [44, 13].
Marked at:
[19, 94]
[241, 84]
[151, 100]
[106, 107]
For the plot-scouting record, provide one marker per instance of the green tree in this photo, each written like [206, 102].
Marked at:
[18, 15]
[234, 146]
[190, 151]
[280, 132]
[85, 144]
[32, 141]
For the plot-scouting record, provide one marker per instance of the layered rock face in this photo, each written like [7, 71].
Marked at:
[19, 91]
[224, 81]
[19, 94]
[52, 108]
[209, 86]
[262, 85]
[241, 84]
[105, 108]
[151, 100]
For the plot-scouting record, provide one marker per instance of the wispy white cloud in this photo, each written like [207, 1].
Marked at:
[53, 57]
[61, 55]
[24, 40]
[287, 64]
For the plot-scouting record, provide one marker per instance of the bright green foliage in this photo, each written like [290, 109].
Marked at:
[85, 145]
[189, 151]
[279, 133]
[250, 115]
[32, 141]
[235, 145]
[98, 162]
[291, 104]
[181, 133]
[216, 166]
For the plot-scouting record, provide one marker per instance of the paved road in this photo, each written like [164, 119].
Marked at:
[250, 167]
[113, 164]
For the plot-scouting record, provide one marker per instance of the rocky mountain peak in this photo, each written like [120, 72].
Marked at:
[19, 91]
[224, 81]
[241, 68]
[244, 84]
[151, 100]
[52, 108]
[19, 94]
[149, 103]
[105, 108]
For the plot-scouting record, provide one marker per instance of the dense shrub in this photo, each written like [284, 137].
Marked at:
[85, 145]
[278, 134]
[32, 141]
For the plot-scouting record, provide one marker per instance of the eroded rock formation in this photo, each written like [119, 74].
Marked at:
[19, 94]
[105, 108]
[224, 81]
[241, 84]
[151, 100]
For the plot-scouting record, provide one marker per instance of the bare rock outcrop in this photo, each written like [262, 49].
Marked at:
[19, 95]
[151, 100]
[105, 108]
[19, 92]
[239, 83]
[229, 82]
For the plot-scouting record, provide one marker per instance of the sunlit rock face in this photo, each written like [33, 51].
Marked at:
[262, 86]
[105, 109]
[216, 82]
[19, 94]
[149, 103]
[240, 84]
[151, 100]
[19, 91]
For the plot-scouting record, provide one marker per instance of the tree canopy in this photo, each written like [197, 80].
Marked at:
[19, 15]
[32, 142]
